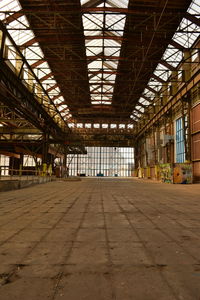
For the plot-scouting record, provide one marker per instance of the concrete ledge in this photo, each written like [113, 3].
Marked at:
[8, 185]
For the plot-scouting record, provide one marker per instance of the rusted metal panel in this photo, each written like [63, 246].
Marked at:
[196, 171]
[195, 128]
[195, 118]
[196, 147]
[152, 172]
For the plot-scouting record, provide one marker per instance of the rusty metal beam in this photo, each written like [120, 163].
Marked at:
[61, 103]
[146, 98]
[52, 88]
[150, 89]
[101, 83]
[103, 71]
[177, 45]
[105, 37]
[159, 79]
[104, 93]
[56, 97]
[29, 42]
[167, 65]
[37, 63]
[10, 154]
[46, 76]
[193, 19]
[108, 57]
[13, 17]
[64, 38]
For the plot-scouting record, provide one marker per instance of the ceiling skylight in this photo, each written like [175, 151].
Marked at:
[19, 29]
[185, 36]
[103, 36]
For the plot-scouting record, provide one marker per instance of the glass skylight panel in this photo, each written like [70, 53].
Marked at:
[92, 21]
[47, 83]
[189, 34]
[111, 64]
[175, 59]
[59, 100]
[93, 43]
[93, 51]
[162, 72]
[112, 52]
[118, 3]
[94, 64]
[144, 101]
[155, 85]
[21, 33]
[186, 35]
[195, 8]
[95, 78]
[112, 43]
[83, 2]
[105, 26]
[8, 5]
[130, 126]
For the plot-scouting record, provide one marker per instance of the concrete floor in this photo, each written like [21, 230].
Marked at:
[100, 239]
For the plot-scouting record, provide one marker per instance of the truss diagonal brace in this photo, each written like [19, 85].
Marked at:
[193, 19]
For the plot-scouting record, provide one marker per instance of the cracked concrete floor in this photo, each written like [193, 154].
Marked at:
[100, 239]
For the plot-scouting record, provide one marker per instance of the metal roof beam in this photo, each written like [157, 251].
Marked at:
[37, 63]
[29, 43]
[193, 19]
[95, 57]
[52, 88]
[146, 98]
[46, 76]
[104, 72]
[56, 97]
[158, 78]
[101, 83]
[59, 104]
[13, 17]
[104, 37]
[167, 65]
[138, 110]
[151, 90]
[177, 45]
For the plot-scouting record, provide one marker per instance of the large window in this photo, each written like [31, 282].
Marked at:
[180, 143]
[105, 161]
[28, 161]
[4, 165]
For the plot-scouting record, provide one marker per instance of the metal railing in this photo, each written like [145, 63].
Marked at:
[22, 174]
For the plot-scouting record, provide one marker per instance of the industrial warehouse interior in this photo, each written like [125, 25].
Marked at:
[100, 149]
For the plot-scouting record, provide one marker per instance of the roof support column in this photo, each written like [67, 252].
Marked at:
[30, 81]
[1, 43]
[19, 63]
[186, 65]
[157, 101]
[3, 47]
[39, 93]
[45, 148]
[174, 83]
[164, 93]
[151, 111]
